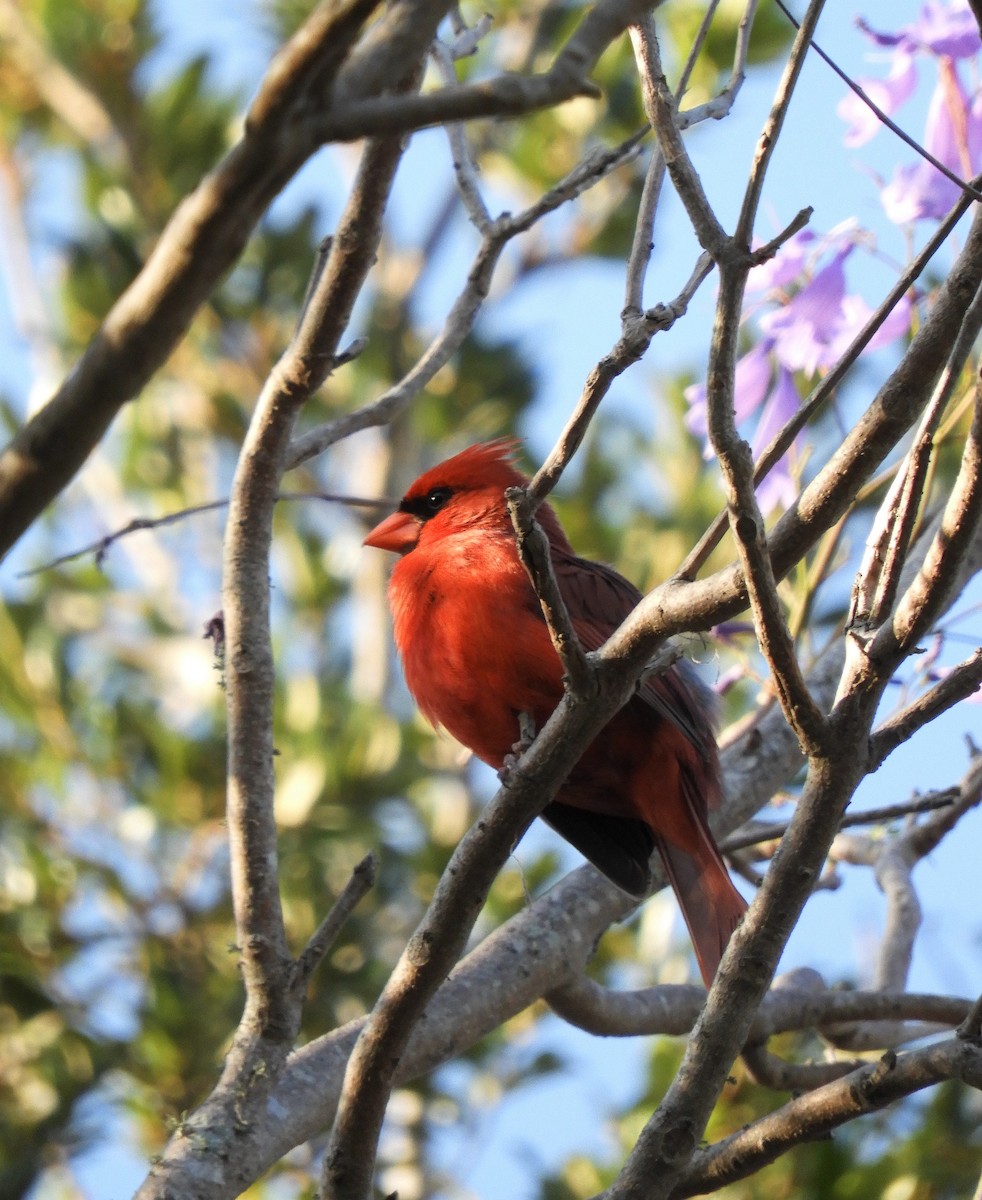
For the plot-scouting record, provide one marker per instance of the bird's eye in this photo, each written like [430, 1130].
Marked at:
[436, 499]
[426, 506]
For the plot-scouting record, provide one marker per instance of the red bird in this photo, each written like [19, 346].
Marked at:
[477, 652]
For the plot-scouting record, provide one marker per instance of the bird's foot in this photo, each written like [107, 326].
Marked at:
[526, 728]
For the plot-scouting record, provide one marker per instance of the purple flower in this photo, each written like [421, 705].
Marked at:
[953, 134]
[753, 391]
[888, 94]
[856, 312]
[943, 29]
[777, 489]
[804, 329]
[946, 33]
[785, 267]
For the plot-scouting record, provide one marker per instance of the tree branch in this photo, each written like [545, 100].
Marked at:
[201, 241]
[817, 1113]
[463, 313]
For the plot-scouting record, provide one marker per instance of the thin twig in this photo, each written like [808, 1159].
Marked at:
[715, 109]
[637, 331]
[921, 603]
[465, 168]
[533, 550]
[463, 313]
[878, 578]
[271, 1018]
[661, 109]
[767, 142]
[101, 547]
[962, 681]
[773, 831]
[362, 880]
[501, 96]
[720, 105]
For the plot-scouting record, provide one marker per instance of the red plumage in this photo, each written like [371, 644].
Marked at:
[476, 653]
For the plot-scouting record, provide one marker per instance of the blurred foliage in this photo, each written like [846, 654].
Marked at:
[119, 986]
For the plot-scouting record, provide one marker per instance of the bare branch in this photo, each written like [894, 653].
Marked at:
[502, 96]
[921, 603]
[876, 585]
[662, 112]
[958, 684]
[435, 946]
[674, 1009]
[202, 240]
[533, 550]
[101, 547]
[463, 313]
[637, 330]
[747, 522]
[554, 938]
[782, 441]
[814, 1115]
[717, 108]
[322, 940]
[758, 831]
[671, 1136]
[642, 243]
[465, 168]
[767, 142]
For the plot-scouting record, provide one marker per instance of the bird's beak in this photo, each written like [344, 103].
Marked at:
[399, 533]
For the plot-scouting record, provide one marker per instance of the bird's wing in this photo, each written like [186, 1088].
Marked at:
[598, 599]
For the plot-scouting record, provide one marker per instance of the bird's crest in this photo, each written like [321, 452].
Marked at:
[484, 463]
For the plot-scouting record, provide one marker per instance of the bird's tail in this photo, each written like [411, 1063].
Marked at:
[711, 905]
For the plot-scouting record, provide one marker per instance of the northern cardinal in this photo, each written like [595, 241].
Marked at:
[476, 653]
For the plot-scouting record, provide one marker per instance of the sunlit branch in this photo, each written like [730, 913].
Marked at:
[878, 578]
[758, 831]
[768, 140]
[813, 1115]
[673, 1009]
[637, 333]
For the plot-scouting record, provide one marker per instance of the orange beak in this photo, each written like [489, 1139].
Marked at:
[399, 533]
